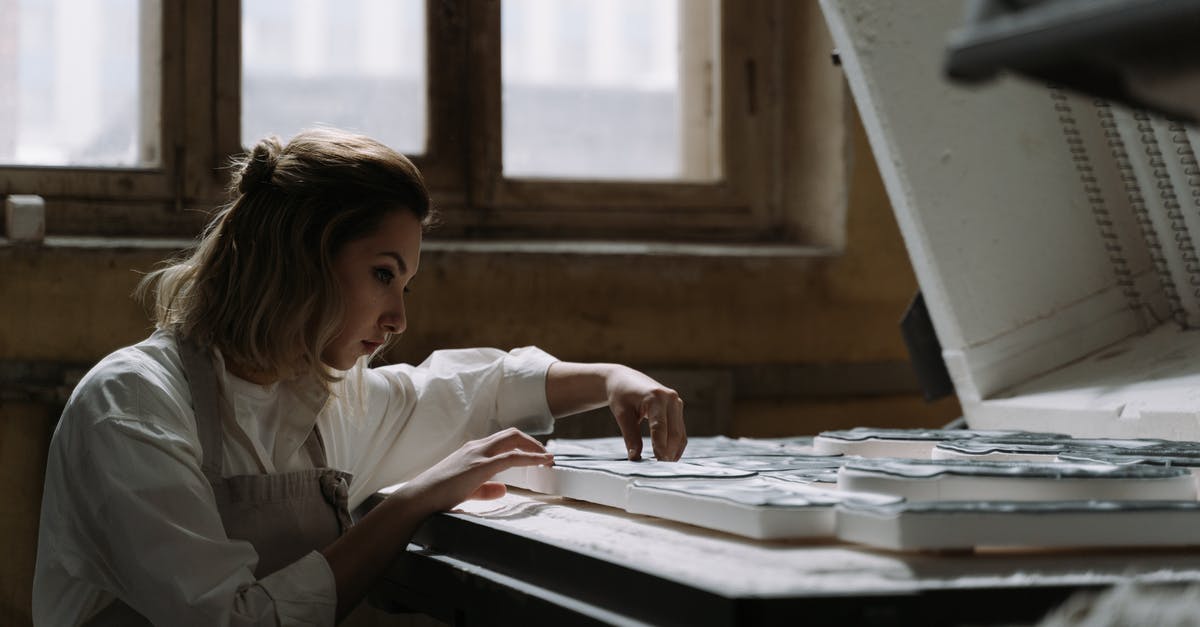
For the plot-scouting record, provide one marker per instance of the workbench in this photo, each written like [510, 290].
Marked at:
[534, 559]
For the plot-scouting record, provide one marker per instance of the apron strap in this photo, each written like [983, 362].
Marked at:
[335, 485]
[198, 368]
[315, 444]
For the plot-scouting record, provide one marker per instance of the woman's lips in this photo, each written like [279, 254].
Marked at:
[371, 346]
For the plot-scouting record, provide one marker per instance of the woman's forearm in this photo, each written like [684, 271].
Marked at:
[572, 387]
[633, 397]
[361, 554]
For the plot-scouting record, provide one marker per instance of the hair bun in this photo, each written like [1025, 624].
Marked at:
[259, 165]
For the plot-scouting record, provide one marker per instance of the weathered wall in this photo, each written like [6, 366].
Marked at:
[818, 314]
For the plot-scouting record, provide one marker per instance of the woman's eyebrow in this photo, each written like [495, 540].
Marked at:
[399, 260]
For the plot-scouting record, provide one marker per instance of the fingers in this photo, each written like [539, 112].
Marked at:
[667, 433]
[488, 491]
[492, 466]
[514, 458]
[677, 440]
[631, 430]
[510, 439]
[656, 416]
[506, 449]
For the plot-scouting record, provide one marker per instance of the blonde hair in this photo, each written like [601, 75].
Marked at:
[259, 283]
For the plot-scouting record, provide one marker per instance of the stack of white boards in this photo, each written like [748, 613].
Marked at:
[1068, 493]
[957, 480]
[950, 525]
[955, 504]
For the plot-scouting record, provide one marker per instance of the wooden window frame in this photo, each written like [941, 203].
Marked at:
[784, 166]
[163, 200]
[783, 173]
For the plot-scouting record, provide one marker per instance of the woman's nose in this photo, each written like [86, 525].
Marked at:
[394, 320]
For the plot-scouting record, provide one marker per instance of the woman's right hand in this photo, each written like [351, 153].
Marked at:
[361, 554]
[464, 473]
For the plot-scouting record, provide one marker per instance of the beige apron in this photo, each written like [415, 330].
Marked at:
[284, 516]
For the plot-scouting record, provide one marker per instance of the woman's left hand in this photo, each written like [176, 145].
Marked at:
[634, 398]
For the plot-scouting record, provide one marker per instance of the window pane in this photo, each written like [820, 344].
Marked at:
[353, 64]
[610, 89]
[79, 81]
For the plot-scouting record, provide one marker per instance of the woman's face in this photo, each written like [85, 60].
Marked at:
[373, 273]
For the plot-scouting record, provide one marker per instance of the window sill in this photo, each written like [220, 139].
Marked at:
[507, 247]
[626, 248]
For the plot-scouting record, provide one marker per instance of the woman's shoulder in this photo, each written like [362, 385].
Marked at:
[144, 381]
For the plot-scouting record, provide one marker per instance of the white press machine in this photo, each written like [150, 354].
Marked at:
[1054, 235]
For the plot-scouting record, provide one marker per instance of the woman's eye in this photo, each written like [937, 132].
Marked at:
[384, 275]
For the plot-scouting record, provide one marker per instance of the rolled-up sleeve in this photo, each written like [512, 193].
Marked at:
[303, 592]
[416, 415]
[137, 518]
[521, 397]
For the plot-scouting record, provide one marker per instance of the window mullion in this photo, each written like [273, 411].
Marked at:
[444, 162]
[199, 164]
[484, 113]
[700, 71]
[227, 86]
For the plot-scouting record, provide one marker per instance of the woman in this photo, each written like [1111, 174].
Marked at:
[204, 475]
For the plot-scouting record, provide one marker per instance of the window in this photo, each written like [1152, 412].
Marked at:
[599, 89]
[85, 107]
[775, 172]
[77, 71]
[103, 134]
[685, 120]
[353, 64]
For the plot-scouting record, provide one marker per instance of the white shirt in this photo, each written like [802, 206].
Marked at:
[128, 512]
